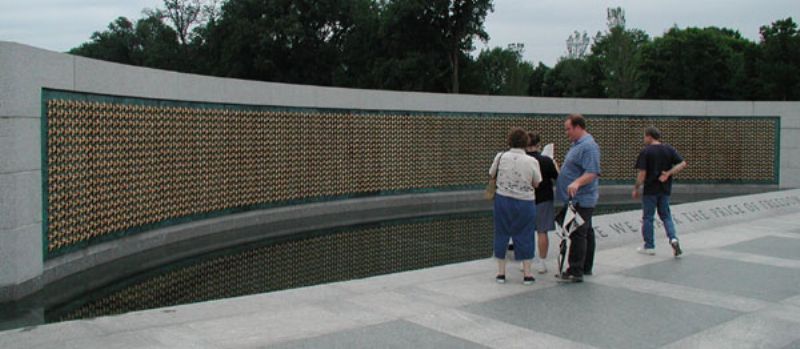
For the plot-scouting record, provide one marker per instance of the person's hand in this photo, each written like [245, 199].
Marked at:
[572, 189]
[635, 193]
[664, 176]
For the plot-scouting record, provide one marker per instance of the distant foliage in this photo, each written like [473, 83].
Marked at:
[415, 45]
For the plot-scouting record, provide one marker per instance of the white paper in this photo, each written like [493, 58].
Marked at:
[548, 150]
[572, 220]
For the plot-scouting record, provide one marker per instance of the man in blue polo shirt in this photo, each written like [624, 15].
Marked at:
[578, 182]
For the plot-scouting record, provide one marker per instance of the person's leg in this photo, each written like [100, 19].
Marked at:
[524, 227]
[525, 251]
[666, 216]
[500, 243]
[501, 266]
[669, 226]
[544, 223]
[543, 243]
[649, 203]
[577, 250]
[542, 246]
[501, 219]
[526, 267]
[501, 239]
[524, 248]
[588, 263]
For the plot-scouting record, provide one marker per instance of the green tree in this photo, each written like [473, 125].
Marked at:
[183, 15]
[779, 65]
[158, 46]
[296, 41]
[577, 43]
[538, 83]
[572, 77]
[575, 75]
[694, 63]
[421, 35]
[149, 42]
[117, 44]
[503, 72]
[618, 53]
[359, 49]
[460, 22]
[408, 57]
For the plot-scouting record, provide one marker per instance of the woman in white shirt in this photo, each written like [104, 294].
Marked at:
[517, 176]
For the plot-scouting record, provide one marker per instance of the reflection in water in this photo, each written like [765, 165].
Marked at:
[277, 264]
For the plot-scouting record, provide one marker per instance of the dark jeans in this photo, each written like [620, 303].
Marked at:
[651, 203]
[581, 251]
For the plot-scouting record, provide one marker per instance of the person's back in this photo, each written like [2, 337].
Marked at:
[515, 174]
[655, 159]
[544, 192]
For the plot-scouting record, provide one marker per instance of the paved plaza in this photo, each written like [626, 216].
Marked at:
[737, 286]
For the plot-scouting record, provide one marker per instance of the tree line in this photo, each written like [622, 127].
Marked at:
[428, 45]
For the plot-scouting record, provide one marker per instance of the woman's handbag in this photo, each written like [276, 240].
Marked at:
[491, 187]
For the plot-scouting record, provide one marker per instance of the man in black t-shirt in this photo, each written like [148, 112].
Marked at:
[544, 200]
[657, 163]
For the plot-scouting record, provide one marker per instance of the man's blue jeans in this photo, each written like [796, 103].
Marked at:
[651, 203]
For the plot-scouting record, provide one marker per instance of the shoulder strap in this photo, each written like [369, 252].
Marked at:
[497, 169]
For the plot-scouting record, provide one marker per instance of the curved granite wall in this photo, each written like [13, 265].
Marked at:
[96, 151]
[118, 165]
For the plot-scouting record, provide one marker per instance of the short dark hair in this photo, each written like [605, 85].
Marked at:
[577, 120]
[534, 139]
[653, 132]
[517, 138]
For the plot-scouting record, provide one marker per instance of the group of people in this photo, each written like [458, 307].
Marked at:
[524, 199]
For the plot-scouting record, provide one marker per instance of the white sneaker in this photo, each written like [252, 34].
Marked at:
[541, 267]
[647, 251]
[676, 247]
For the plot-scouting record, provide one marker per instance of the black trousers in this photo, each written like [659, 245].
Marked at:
[581, 250]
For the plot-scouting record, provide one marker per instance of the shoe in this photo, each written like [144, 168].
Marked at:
[568, 278]
[541, 267]
[528, 280]
[647, 251]
[676, 247]
[500, 279]
[587, 273]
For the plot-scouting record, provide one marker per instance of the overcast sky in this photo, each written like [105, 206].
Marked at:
[541, 25]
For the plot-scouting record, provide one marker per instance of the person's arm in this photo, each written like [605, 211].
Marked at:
[639, 182]
[552, 170]
[555, 163]
[584, 179]
[675, 169]
[590, 161]
[537, 176]
[495, 164]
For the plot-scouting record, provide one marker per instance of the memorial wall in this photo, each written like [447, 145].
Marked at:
[118, 165]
